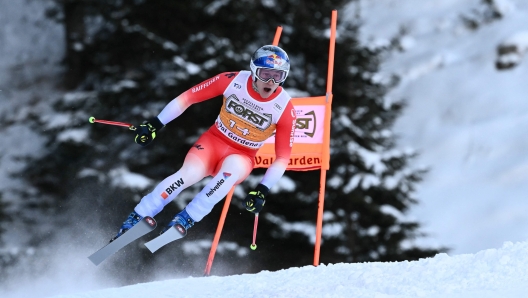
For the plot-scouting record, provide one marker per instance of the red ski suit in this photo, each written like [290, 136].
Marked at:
[227, 149]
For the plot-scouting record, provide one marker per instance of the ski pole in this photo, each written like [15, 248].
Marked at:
[130, 126]
[253, 245]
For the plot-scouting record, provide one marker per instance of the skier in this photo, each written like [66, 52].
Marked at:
[254, 107]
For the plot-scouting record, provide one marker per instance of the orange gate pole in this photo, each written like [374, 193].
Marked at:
[326, 141]
[277, 36]
[218, 232]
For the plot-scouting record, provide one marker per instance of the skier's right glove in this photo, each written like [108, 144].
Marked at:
[255, 200]
[146, 132]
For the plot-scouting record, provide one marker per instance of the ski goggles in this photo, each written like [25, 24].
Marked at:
[267, 74]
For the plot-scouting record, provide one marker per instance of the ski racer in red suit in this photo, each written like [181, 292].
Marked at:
[254, 107]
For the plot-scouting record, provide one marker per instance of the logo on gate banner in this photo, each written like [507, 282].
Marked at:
[308, 160]
[308, 126]
[307, 123]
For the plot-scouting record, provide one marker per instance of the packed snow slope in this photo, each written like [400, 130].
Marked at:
[490, 273]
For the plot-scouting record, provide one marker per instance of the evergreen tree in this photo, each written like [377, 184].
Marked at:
[127, 59]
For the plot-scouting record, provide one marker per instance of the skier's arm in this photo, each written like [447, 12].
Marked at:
[283, 145]
[284, 133]
[146, 132]
[207, 89]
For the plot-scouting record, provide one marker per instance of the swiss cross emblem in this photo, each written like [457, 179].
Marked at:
[150, 221]
[180, 229]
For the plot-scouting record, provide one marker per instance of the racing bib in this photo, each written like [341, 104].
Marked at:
[245, 120]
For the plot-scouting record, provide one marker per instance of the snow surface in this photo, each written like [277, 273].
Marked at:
[489, 273]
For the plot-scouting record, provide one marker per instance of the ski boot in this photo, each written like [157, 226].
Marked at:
[133, 218]
[182, 221]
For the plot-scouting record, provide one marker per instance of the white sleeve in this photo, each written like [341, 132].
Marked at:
[172, 110]
[274, 172]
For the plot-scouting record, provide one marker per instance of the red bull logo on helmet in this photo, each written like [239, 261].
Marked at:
[275, 59]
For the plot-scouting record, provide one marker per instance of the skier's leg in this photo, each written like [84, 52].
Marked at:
[199, 163]
[192, 171]
[234, 169]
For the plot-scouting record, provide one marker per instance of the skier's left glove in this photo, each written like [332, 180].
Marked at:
[146, 132]
[255, 200]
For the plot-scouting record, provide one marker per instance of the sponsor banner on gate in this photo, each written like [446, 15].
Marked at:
[307, 150]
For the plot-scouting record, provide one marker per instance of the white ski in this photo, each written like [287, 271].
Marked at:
[147, 224]
[170, 235]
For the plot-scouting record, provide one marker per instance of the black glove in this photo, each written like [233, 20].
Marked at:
[254, 201]
[146, 132]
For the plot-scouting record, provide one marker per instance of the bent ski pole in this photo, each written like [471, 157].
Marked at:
[253, 245]
[130, 126]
